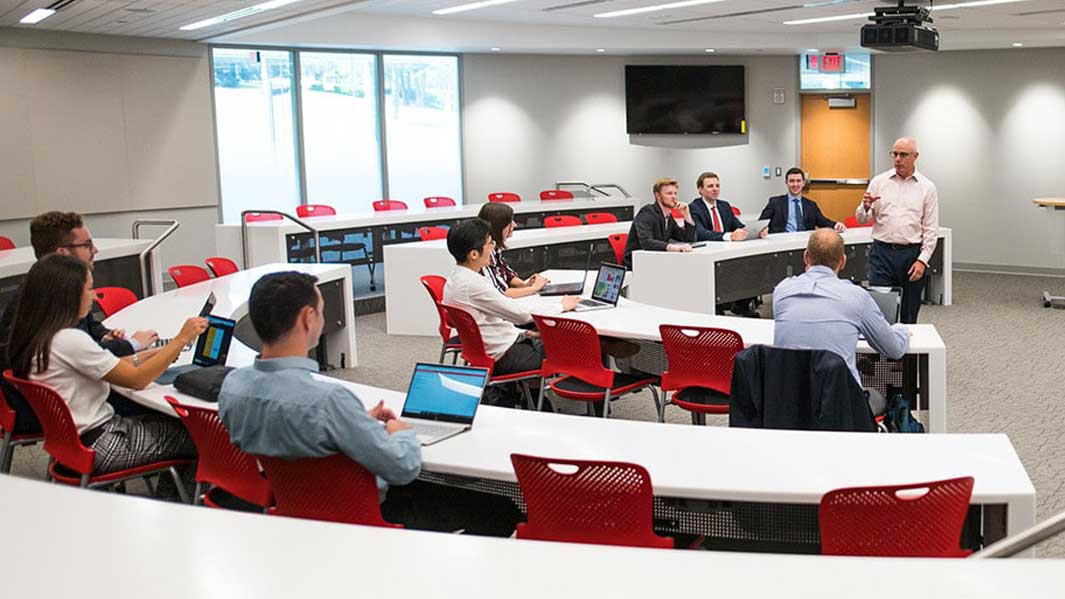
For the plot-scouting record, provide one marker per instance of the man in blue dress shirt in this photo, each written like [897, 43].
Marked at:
[795, 212]
[818, 310]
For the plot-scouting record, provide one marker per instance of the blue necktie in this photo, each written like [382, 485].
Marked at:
[795, 217]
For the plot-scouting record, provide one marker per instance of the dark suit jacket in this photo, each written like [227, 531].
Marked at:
[649, 231]
[704, 223]
[776, 210]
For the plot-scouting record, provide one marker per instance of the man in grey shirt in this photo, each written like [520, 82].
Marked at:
[818, 310]
[278, 408]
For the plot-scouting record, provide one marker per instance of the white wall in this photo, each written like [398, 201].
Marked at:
[529, 121]
[991, 132]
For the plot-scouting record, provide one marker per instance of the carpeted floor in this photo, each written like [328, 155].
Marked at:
[1004, 374]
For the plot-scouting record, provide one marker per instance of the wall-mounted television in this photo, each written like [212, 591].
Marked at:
[684, 99]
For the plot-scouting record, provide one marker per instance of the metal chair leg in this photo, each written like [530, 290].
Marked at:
[443, 352]
[660, 405]
[540, 399]
[526, 394]
[370, 265]
[606, 404]
[197, 494]
[7, 450]
[182, 492]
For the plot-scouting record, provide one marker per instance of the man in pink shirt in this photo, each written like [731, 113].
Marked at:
[904, 207]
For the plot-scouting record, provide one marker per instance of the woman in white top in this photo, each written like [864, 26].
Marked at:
[46, 346]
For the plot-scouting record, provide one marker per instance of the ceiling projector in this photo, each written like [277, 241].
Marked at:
[900, 28]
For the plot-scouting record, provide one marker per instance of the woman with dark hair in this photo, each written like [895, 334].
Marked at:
[500, 219]
[45, 345]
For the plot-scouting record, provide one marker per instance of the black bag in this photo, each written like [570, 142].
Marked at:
[897, 417]
[203, 383]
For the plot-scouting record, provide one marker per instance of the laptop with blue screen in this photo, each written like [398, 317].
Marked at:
[442, 400]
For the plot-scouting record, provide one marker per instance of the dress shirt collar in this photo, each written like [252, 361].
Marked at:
[791, 197]
[916, 176]
[279, 364]
[820, 271]
[709, 205]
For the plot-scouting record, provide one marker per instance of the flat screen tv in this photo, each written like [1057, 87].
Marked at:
[684, 99]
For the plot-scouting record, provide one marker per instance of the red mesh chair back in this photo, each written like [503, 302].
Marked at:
[6, 243]
[386, 205]
[565, 220]
[473, 350]
[188, 274]
[555, 194]
[735, 211]
[915, 520]
[430, 233]
[851, 222]
[221, 463]
[7, 415]
[571, 347]
[252, 217]
[598, 218]
[580, 501]
[434, 284]
[504, 196]
[334, 489]
[113, 299]
[309, 210]
[438, 202]
[221, 266]
[60, 433]
[617, 243]
[699, 357]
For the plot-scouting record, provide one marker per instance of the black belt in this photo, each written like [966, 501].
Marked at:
[90, 436]
[897, 246]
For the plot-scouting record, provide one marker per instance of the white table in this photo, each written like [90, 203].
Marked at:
[689, 281]
[166, 550]
[408, 309]
[117, 263]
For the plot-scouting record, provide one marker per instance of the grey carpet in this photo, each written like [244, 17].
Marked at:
[1004, 374]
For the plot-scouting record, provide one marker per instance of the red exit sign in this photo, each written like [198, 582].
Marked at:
[825, 63]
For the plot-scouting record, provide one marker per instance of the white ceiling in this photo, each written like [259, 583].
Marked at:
[563, 25]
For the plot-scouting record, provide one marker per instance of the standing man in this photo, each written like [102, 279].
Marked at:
[795, 212]
[714, 220]
[904, 207]
[655, 228]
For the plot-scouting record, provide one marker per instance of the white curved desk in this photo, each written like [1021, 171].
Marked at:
[165, 550]
[117, 264]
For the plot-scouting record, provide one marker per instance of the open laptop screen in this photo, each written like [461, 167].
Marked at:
[446, 393]
[889, 300]
[608, 283]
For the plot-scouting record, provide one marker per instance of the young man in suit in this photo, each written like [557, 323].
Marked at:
[795, 212]
[714, 220]
[655, 228]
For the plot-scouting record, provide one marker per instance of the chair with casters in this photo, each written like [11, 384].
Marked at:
[10, 440]
[434, 284]
[71, 461]
[223, 471]
[585, 501]
[851, 222]
[555, 194]
[6, 243]
[698, 358]
[431, 233]
[598, 218]
[113, 299]
[912, 520]
[475, 354]
[572, 355]
[188, 274]
[221, 266]
[504, 196]
[438, 201]
[388, 205]
[342, 244]
[617, 243]
[564, 220]
[334, 488]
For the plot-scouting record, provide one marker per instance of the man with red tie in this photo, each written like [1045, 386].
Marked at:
[714, 220]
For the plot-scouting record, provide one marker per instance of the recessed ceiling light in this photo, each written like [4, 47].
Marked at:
[37, 16]
[600, 49]
[709, 50]
[470, 6]
[238, 14]
[495, 49]
[1017, 44]
[655, 8]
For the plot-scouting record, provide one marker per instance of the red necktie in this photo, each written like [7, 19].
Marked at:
[717, 221]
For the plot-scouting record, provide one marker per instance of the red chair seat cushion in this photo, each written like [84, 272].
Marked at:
[574, 388]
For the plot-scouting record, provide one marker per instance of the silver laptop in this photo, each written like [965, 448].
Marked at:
[889, 300]
[607, 289]
[755, 229]
[575, 288]
[442, 400]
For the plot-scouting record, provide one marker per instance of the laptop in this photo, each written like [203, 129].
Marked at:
[755, 229]
[442, 400]
[204, 311]
[212, 348]
[889, 300]
[575, 288]
[607, 289]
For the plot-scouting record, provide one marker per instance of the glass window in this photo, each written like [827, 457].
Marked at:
[256, 134]
[834, 71]
[342, 150]
[421, 103]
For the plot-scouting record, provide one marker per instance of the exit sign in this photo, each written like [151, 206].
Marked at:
[831, 63]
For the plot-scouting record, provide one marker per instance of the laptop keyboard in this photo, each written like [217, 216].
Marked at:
[591, 303]
[425, 431]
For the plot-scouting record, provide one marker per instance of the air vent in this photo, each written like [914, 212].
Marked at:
[1038, 12]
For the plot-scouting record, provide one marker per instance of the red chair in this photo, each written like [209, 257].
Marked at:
[221, 266]
[555, 194]
[188, 274]
[698, 357]
[504, 196]
[474, 353]
[430, 233]
[599, 218]
[253, 217]
[387, 205]
[617, 243]
[339, 243]
[565, 220]
[313, 210]
[605, 503]
[10, 439]
[222, 468]
[113, 299]
[573, 356]
[6, 243]
[434, 284]
[438, 202]
[851, 222]
[332, 489]
[72, 462]
[735, 211]
[915, 520]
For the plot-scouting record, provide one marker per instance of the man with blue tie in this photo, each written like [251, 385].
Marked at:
[794, 212]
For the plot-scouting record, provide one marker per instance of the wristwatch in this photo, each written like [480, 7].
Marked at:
[136, 359]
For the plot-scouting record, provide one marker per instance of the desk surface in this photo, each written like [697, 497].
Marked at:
[167, 550]
[19, 260]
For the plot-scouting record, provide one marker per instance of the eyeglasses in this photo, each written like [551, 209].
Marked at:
[901, 154]
[89, 245]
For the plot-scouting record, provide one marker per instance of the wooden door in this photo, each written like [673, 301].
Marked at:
[836, 144]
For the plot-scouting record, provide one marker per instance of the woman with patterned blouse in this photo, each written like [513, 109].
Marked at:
[500, 219]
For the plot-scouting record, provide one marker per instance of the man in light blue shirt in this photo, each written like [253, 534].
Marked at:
[818, 310]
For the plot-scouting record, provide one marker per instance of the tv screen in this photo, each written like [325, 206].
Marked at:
[684, 99]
